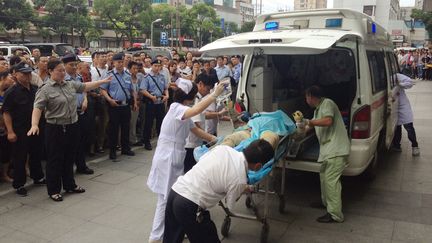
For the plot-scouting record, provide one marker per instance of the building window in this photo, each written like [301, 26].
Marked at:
[90, 3]
[369, 10]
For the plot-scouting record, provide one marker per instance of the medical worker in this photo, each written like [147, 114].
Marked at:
[405, 117]
[334, 150]
[170, 152]
[221, 173]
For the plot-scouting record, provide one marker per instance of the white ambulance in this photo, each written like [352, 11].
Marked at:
[344, 52]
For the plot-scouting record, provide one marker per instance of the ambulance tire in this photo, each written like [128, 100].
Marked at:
[281, 204]
[264, 232]
[226, 226]
[248, 202]
[371, 171]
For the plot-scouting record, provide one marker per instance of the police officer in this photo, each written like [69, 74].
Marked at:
[155, 89]
[120, 95]
[58, 99]
[17, 108]
[70, 62]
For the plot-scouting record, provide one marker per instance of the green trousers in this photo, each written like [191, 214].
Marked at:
[331, 188]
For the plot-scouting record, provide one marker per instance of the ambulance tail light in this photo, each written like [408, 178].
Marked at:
[361, 123]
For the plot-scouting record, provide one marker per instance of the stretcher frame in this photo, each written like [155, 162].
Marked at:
[280, 152]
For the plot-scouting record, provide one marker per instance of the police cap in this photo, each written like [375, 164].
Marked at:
[70, 58]
[156, 61]
[22, 67]
[118, 57]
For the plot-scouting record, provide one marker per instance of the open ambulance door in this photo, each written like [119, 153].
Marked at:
[391, 116]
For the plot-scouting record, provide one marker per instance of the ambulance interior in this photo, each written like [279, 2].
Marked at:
[279, 81]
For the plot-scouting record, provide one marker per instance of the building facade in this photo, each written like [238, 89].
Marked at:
[382, 11]
[427, 5]
[309, 4]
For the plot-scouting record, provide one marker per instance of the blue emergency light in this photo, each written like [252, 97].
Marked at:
[373, 28]
[271, 25]
[333, 23]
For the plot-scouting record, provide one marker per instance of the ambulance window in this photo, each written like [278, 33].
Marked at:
[393, 67]
[377, 70]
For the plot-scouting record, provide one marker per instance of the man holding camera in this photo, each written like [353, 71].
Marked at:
[120, 95]
[155, 90]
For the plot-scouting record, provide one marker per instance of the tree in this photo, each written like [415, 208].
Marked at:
[201, 17]
[247, 26]
[425, 17]
[65, 16]
[17, 14]
[128, 17]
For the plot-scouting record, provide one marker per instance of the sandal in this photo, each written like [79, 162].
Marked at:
[77, 189]
[56, 197]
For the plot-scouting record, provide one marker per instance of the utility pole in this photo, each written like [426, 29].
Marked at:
[171, 30]
[178, 24]
[260, 7]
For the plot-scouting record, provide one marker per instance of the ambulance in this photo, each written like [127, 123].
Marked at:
[344, 52]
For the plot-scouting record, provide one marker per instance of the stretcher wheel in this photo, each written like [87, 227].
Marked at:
[226, 226]
[281, 204]
[248, 202]
[264, 232]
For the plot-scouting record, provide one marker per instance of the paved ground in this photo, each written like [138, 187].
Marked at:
[118, 207]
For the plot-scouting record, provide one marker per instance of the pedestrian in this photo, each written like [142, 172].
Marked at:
[136, 78]
[222, 71]
[334, 150]
[6, 81]
[155, 89]
[120, 97]
[405, 116]
[167, 164]
[222, 173]
[70, 62]
[4, 65]
[58, 99]
[98, 72]
[174, 76]
[17, 113]
[42, 68]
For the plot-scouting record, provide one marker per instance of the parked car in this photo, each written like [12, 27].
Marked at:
[152, 52]
[8, 50]
[47, 49]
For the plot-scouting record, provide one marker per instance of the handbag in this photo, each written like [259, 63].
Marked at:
[129, 100]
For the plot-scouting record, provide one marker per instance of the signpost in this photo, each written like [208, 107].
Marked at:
[164, 38]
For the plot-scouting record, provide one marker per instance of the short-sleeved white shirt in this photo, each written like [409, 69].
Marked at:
[218, 174]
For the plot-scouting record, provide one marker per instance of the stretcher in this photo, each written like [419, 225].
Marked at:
[259, 183]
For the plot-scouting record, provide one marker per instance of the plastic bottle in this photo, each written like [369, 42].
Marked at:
[226, 94]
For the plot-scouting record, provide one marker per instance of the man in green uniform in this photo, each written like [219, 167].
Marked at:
[334, 151]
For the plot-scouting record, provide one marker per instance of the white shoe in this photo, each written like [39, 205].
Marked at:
[415, 151]
[155, 241]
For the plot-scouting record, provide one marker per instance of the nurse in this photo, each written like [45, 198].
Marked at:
[167, 163]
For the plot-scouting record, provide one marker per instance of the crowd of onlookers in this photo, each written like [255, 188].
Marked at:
[94, 108]
[416, 63]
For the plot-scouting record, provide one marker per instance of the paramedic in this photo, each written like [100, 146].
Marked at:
[334, 151]
[220, 173]
[405, 117]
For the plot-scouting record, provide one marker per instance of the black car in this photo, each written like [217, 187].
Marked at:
[46, 49]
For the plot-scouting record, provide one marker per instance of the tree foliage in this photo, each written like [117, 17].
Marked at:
[247, 26]
[128, 17]
[64, 16]
[15, 14]
[425, 17]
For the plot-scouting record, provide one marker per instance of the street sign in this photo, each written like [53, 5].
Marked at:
[164, 38]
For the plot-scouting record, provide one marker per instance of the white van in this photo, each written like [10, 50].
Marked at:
[344, 52]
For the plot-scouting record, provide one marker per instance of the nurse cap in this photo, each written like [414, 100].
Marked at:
[185, 85]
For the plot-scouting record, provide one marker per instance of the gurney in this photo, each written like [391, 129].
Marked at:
[256, 180]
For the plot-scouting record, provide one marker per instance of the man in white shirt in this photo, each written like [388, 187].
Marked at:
[205, 84]
[221, 173]
[222, 71]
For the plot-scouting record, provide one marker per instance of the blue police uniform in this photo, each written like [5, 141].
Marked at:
[154, 110]
[120, 89]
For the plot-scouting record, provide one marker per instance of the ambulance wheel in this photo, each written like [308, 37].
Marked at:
[281, 204]
[248, 202]
[226, 226]
[264, 232]
[371, 171]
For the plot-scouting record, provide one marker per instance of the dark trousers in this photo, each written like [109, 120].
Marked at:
[153, 111]
[189, 160]
[409, 127]
[83, 142]
[61, 145]
[26, 146]
[181, 219]
[119, 118]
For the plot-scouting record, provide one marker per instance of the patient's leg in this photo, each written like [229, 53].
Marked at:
[236, 138]
[271, 137]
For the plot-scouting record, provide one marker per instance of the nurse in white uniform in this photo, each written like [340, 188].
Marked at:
[170, 152]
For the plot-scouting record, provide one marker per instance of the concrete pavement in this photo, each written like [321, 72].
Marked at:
[118, 206]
